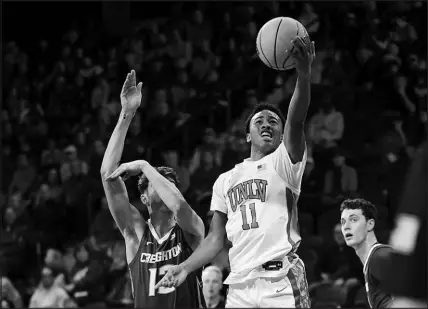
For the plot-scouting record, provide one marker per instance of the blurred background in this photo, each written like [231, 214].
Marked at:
[63, 66]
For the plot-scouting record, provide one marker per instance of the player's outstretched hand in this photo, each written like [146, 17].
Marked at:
[130, 97]
[303, 54]
[126, 170]
[173, 278]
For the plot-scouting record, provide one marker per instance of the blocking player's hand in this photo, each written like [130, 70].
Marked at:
[173, 278]
[130, 97]
[126, 170]
[303, 54]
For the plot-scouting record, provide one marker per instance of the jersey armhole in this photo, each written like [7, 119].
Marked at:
[292, 166]
[139, 246]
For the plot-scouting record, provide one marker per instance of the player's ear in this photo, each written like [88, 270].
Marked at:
[371, 224]
[248, 137]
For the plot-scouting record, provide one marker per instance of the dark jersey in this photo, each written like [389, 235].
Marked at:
[372, 274]
[406, 273]
[153, 259]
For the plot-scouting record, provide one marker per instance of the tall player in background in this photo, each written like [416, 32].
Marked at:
[174, 229]
[358, 219]
[406, 271]
[255, 204]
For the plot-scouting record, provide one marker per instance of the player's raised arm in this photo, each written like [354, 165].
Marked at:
[303, 54]
[125, 215]
[185, 216]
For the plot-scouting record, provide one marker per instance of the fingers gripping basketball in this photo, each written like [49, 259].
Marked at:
[274, 45]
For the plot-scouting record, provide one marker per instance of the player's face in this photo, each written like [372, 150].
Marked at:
[355, 227]
[265, 131]
[212, 284]
[151, 198]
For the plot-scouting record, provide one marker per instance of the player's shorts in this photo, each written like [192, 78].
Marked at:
[290, 291]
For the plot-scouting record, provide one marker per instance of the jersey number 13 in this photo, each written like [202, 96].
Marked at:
[154, 278]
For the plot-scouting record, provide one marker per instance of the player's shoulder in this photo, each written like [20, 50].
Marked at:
[382, 249]
[223, 177]
[380, 252]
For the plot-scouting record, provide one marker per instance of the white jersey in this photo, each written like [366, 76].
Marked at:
[260, 200]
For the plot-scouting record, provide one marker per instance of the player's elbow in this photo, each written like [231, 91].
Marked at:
[103, 173]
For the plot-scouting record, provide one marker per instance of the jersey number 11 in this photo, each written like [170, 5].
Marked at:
[254, 224]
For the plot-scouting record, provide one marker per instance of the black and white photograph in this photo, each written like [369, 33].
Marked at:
[214, 154]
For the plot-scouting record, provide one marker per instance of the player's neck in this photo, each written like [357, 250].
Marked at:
[363, 249]
[212, 301]
[256, 154]
[162, 222]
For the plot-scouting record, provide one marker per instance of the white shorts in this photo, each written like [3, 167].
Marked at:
[290, 291]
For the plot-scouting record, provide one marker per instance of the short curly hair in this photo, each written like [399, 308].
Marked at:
[261, 107]
[368, 209]
[165, 171]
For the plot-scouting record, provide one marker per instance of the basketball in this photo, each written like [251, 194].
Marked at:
[274, 39]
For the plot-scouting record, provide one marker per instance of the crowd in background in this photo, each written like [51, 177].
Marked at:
[59, 243]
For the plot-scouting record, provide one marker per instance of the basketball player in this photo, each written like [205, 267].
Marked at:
[173, 231]
[254, 204]
[358, 218]
[407, 269]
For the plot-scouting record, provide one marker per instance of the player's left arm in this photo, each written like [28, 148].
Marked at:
[303, 54]
[186, 217]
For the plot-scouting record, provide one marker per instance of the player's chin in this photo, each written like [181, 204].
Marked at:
[349, 242]
[268, 141]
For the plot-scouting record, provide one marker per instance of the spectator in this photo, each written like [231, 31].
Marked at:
[341, 182]
[69, 260]
[205, 175]
[203, 61]
[10, 294]
[12, 254]
[51, 155]
[338, 265]
[172, 159]
[72, 164]
[325, 130]
[24, 176]
[86, 283]
[48, 295]
[178, 48]
[181, 90]
[54, 260]
[54, 185]
[82, 145]
[8, 166]
[103, 226]
[212, 279]
[209, 144]
[198, 30]
[404, 32]
[96, 158]
[49, 216]
[326, 126]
